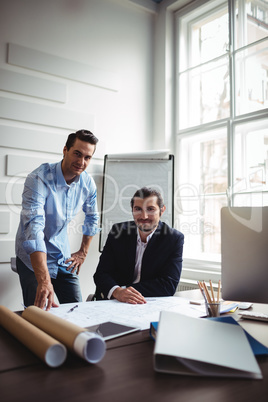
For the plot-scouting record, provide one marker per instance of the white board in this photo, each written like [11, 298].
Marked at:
[126, 173]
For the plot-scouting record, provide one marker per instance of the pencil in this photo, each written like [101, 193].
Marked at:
[207, 293]
[219, 288]
[200, 285]
[203, 294]
[201, 288]
[211, 289]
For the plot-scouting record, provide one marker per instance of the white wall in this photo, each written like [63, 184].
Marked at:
[70, 64]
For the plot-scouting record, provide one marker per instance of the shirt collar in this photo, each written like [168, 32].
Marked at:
[61, 182]
[147, 238]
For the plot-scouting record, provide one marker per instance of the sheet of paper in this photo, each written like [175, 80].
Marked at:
[138, 315]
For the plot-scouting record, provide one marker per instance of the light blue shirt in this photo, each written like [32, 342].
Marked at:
[48, 205]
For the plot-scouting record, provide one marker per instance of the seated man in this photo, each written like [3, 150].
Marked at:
[141, 258]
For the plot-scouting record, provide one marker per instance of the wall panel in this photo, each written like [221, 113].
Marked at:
[4, 221]
[47, 63]
[20, 165]
[32, 140]
[7, 250]
[10, 193]
[29, 112]
[32, 86]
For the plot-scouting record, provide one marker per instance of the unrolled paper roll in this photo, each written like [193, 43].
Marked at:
[87, 345]
[52, 352]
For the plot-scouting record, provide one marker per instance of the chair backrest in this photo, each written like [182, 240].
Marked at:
[13, 264]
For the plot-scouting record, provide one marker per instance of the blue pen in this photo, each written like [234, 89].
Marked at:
[72, 309]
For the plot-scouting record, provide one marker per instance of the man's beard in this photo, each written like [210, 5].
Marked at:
[146, 229]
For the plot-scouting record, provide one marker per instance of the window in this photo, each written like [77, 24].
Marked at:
[250, 168]
[201, 193]
[222, 119]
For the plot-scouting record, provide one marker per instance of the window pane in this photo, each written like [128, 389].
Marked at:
[251, 157]
[203, 163]
[251, 21]
[206, 29]
[251, 200]
[252, 79]
[201, 193]
[200, 224]
[204, 94]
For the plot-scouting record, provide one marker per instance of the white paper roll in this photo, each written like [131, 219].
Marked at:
[90, 346]
[56, 355]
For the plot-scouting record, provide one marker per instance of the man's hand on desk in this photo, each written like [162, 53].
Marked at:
[128, 295]
[45, 296]
[45, 292]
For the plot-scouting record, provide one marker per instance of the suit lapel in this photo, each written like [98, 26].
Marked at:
[131, 250]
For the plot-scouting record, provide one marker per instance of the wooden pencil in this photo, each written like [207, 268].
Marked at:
[206, 292]
[212, 293]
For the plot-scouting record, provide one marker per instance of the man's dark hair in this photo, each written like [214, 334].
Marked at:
[83, 135]
[146, 192]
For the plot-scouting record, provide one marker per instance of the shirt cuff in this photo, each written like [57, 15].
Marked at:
[90, 231]
[111, 291]
[30, 246]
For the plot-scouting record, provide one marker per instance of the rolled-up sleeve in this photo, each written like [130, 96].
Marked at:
[33, 214]
[30, 246]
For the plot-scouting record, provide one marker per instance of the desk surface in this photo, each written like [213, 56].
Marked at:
[125, 374]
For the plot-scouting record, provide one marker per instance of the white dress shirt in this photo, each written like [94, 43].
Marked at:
[140, 248]
[139, 254]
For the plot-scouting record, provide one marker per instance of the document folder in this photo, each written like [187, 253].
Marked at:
[195, 346]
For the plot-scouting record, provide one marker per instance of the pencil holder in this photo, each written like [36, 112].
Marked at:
[213, 309]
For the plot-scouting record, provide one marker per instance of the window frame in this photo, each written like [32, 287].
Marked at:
[193, 267]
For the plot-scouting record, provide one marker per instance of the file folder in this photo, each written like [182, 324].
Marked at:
[196, 346]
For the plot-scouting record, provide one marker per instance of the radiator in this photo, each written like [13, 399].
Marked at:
[186, 285]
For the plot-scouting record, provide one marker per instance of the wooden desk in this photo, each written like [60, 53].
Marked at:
[125, 374]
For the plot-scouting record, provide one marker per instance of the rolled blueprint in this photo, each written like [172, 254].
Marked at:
[87, 345]
[52, 352]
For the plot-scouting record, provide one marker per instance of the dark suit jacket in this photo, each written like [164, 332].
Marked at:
[161, 263]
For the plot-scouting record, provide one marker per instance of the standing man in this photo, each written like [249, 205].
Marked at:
[141, 258]
[53, 194]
